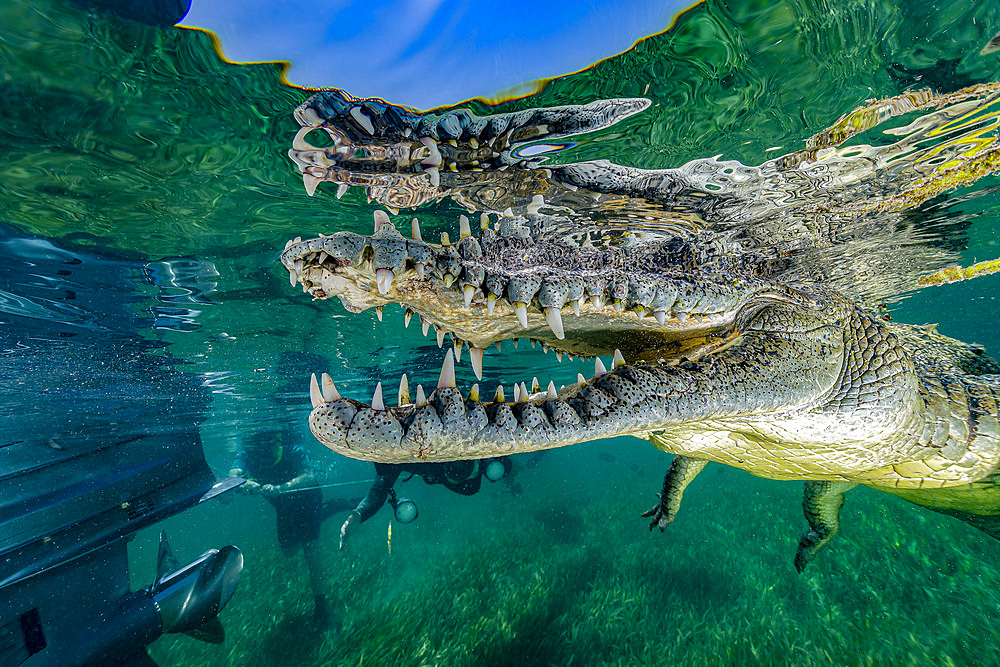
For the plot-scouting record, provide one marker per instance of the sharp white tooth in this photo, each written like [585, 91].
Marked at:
[550, 394]
[424, 325]
[640, 313]
[445, 239]
[433, 175]
[299, 264]
[599, 368]
[420, 271]
[289, 244]
[458, 349]
[404, 391]
[491, 303]
[383, 280]
[381, 218]
[545, 348]
[508, 212]
[575, 305]
[469, 292]
[311, 182]
[618, 305]
[537, 202]
[524, 392]
[484, 221]
[298, 239]
[415, 230]
[474, 393]
[531, 341]
[434, 159]
[660, 316]
[476, 357]
[342, 190]
[559, 356]
[499, 397]
[516, 341]
[406, 318]
[598, 301]
[554, 318]
[363, 120]
[517, 393]
[322, 257]
[314, 394]
[292, 278]
[330, 392]
[522, 314]
[499, 345]
[681, 316]
[535, 387]
[447, 279]
[582, 381]
[377, 402]
[394, 211]
[378, 313]
[464, 230]
[421, 400]
[447, 378]
[440, 336]
[618, 360]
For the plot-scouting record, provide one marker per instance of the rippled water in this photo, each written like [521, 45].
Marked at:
[146, 192]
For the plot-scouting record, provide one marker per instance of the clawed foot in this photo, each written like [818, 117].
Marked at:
[662, 516]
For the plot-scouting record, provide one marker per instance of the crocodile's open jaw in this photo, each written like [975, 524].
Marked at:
[494, 287]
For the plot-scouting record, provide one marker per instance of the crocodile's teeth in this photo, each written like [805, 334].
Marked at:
[288, 244]
[292, 278]
[524, 392]
[474, 393]
[424, 325]
[476, 357]
[377, 403]
[550, 394]
[522, 315]
[517, 393]
[447, 378]
[660, 316]
[434, 159]
[440, 336]
[415, 231]
[469, 292]
[383, 280]
[554, 318]
[491, 302]
[433, 175]
[404, 391]
[598, 301]
[458, 349]
[681, 316]
[381, 218]
[447, 279]
[363, 120]
[484, 221]
[537, 202]
[330, 392]
[464, 230]
[582, 381]
[421, 400]
[406, 318]
[535, 386]
[311, 182]
[559, 356]
[576, 307]
[314, 394]
[500, 345]
[499, 397]
[342, 190]
[599, 368]
[378, 313]
[508, 212]
[420, 271]
[618, 360]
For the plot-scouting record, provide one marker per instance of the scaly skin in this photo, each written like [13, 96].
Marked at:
[736, 352]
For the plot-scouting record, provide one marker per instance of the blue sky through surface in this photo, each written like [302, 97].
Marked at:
[429, 53]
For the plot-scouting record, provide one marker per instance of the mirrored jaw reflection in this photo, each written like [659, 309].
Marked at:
[733, 305]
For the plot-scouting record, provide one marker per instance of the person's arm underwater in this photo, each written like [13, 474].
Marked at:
[305, 478]
[239, 469]
[385, 477]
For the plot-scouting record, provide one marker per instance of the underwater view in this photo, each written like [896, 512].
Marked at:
[297, 376]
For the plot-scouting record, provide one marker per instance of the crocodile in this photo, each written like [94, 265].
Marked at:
[739, 305]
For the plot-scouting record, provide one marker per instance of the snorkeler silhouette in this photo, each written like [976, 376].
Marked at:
[462, 477]
[278, 468]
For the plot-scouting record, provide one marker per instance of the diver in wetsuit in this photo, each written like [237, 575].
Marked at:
[462, 477]
[279, 469]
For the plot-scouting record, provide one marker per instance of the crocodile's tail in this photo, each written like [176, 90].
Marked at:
[977, 504]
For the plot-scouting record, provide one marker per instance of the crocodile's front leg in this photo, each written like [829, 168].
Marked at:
[821, 503]
[682, 470]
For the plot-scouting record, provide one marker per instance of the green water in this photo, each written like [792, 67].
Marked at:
[139, 143]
